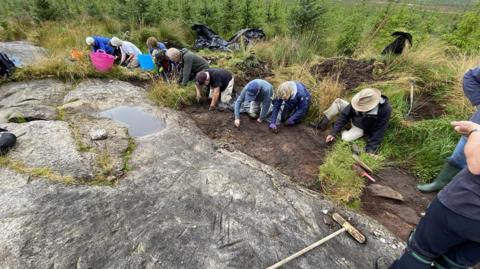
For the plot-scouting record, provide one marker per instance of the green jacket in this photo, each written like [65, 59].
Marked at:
[191, 65]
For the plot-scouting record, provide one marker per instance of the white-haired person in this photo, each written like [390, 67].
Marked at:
[291, 103]
[190, 64]
[100, 43]
[128, 50]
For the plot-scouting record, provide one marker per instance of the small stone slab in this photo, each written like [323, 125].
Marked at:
[385, 192]
[404, 212]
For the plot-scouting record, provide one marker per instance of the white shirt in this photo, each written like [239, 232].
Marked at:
[129, 48]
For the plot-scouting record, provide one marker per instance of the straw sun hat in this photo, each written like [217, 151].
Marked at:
[366, 100]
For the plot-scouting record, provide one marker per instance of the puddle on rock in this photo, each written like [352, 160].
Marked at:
[139, 122]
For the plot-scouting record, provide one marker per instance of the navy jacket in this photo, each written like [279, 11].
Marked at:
[471, 85]
[373, 126]
[298, 104]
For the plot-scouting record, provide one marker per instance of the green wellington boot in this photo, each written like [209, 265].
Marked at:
[446, 174]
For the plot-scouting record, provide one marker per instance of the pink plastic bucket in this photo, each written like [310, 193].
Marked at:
[101, 60]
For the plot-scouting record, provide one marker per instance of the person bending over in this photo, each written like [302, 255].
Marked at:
[128, 50]
[219, 83]
[290, 105]
[190, 64]
[255, 97]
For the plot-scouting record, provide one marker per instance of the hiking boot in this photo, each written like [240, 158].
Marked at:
[322, 125]
[446, 174]
[383, 263]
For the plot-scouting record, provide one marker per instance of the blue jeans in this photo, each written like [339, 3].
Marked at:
[457, 158]
[443, 237]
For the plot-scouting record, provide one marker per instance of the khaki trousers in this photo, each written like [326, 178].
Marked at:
[336, 108]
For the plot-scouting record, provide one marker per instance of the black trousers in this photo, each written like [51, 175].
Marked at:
[443, 238]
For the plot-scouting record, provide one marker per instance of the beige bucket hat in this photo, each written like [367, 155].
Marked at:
[366, 100]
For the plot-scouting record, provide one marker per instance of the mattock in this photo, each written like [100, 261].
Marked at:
[346, 227]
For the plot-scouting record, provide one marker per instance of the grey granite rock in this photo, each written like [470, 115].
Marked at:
[26, 52]
[184, 204]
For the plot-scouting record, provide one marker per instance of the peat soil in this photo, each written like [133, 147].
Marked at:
[350, 72]
[299, 151]
[425, 106]
[399, 217]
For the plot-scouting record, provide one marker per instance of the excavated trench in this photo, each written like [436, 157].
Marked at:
[299, 151]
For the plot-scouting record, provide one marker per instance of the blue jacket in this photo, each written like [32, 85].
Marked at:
[297, 104]
[257, 90]
[101, 43]
[471, 85]
[159, 46]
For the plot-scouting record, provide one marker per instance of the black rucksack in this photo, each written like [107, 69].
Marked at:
[7, 141]
[6, 65]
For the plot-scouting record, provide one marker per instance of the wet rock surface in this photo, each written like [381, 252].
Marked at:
[25, 52]
[184, 203]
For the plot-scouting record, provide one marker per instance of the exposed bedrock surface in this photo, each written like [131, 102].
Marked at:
[182, 202]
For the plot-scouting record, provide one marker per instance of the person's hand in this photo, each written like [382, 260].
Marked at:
[465, 127]
[237, 123]
[259, 120]
[273, 127]
[330, 138]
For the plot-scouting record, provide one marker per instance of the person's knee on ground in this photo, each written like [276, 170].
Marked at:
[335, 108]
[353, 134]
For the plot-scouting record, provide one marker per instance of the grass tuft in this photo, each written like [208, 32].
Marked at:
[172, 95]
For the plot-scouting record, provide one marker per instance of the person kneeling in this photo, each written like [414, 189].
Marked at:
[220, 85]
[291, 103]
[255, 97]
[369, 114]
[128, 50]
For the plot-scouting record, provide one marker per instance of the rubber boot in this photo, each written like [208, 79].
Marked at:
[446, 174]
[322, 125]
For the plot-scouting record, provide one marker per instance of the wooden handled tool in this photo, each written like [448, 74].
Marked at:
[361, 172]
[346, 227]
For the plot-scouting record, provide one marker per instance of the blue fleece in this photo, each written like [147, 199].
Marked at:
[159, 46]
[101, 43]
[471, 85]
[264, 92]
[298, 105]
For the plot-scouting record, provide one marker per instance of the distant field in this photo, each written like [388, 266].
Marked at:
[437, 5]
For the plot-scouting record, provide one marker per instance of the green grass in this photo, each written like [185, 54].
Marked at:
[172, 95]
[339, 181]
[127, 155]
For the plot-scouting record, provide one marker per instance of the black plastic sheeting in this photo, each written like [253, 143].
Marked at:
[397, 46]
[207, 38]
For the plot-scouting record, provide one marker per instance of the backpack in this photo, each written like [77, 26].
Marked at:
[7, 141]
[6, 65]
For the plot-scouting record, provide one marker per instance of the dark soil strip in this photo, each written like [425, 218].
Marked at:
[299, 151]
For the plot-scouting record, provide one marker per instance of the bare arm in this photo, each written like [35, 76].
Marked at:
[472, 152]
[215, 97]
[198, 91]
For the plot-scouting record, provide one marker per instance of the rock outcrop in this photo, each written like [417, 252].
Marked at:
[25, 52]
[184, 203]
